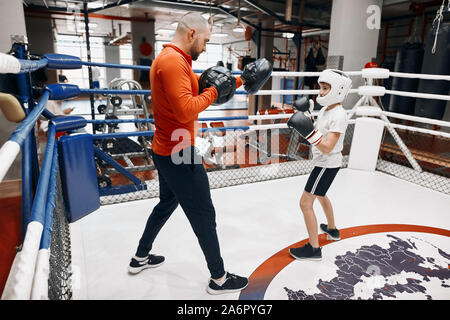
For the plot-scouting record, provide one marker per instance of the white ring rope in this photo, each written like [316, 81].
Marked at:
[308, 74]
[419, 95]
[292, 92]
[270, 116]
[375, 73]
[417, 119]
[421, 130]
[364, 112]
[393, 92]
[419, 76]
[10, 64]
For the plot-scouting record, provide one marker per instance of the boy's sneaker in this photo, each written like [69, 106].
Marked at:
[233, 283]
[307, 252]
[332, 234]
[138, 264]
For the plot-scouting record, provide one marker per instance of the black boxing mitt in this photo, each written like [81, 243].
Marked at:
[255, 74]
[221, 79]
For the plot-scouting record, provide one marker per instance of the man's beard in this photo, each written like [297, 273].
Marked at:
[194, 53]
[194, 56]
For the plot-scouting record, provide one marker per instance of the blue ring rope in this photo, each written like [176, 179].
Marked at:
[116, 66]
[131, 92]
[221, 129]
[123, 134]
[20, 134]
[153, 121]
[39, 204]
[50, 206]
[151, 133]
[33, 65]
[113, 91]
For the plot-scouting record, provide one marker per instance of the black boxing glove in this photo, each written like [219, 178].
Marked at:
[305, 127]
[221, 79]
[255, 74]
[304, 105]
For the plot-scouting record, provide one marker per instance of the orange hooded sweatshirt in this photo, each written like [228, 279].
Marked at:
[175, 100]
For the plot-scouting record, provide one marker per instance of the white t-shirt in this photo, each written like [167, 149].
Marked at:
[334, 120]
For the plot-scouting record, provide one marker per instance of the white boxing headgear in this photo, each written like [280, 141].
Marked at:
[340, 85]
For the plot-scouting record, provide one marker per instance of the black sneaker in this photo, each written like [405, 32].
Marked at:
[138, 264]
[307, 252]
[332, 234]
[233, 283]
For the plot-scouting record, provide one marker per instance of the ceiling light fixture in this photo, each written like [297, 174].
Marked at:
[165, 31]
[96, 4]
[220, 35]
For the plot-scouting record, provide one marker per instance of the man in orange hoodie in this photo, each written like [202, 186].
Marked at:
[176, 104]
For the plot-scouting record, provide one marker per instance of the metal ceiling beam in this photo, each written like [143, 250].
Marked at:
[112, 5]
[70, 9]
[295, 22]
[389, 3]
[264, 10]
[44, 8]
[237, 9]
[188, 4]
[313, 6]
[205, 8]
[37, 13]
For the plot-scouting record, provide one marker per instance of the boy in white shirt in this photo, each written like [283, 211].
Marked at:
[327, 139]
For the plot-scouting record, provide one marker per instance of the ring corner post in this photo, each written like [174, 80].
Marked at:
[88, 51]
[30, 163]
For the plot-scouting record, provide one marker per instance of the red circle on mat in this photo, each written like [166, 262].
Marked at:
[261, 278]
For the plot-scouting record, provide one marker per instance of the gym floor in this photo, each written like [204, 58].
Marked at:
[395, 244]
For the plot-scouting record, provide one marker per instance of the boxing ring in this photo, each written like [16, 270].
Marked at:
[255, 228]
[390, 200]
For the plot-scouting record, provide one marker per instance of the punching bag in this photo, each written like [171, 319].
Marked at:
[387, 83]
[437, 63]
[408, 60]
[310, 66]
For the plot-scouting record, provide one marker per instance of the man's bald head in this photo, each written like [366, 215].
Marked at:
[192, 21]
[192, 34]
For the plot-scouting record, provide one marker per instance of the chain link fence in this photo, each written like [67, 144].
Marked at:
[239, 157]
[60, 273]
[230, 158]
[431, 152]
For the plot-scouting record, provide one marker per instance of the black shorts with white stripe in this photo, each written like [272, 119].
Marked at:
[320, 180]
